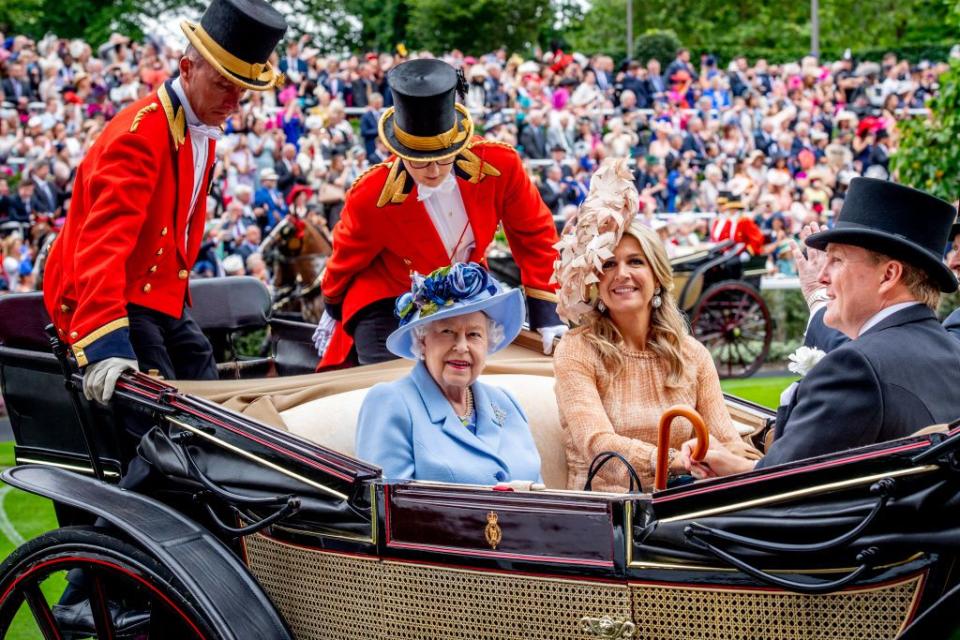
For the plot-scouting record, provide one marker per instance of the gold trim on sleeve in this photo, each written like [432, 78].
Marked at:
[96, 334]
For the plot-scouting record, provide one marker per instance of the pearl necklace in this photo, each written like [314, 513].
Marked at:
[465, 418]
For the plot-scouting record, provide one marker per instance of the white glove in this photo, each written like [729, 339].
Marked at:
[100, 378]
[549, 334]
[323, 333]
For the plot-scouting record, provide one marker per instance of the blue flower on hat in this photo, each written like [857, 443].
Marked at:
[442, 288]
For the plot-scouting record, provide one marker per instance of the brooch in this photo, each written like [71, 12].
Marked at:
[498, 414]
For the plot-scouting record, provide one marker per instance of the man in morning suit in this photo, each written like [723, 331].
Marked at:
[117, 277]
[437, 200]
[900, 370]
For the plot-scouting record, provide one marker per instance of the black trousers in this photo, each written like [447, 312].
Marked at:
[371, 326]
[175, 348]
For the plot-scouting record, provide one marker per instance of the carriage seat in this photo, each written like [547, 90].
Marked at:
[332, 421]
[224, 307]
[22, 321]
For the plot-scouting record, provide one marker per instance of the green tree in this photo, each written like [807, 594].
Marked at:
[661, 45]
[928, 157]
[383, 23]
[87, 19]
[477, 27]
[775, 29]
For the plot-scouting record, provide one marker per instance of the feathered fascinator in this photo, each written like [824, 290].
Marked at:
[609, 209]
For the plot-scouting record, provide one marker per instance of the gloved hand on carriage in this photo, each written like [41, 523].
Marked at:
[323, 333]
[100, 378]
[551, 333]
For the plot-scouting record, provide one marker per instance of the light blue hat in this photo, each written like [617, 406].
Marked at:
[456, 290]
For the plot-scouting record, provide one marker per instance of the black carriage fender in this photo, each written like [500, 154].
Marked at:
[213, 576]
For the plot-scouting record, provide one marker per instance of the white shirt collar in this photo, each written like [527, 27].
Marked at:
[881, 315]
[447, 186]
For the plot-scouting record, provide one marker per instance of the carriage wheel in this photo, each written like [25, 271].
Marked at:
[130, 595]
[732, 321]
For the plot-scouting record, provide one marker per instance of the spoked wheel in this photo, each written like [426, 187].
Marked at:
[732, 321]
[125, 593]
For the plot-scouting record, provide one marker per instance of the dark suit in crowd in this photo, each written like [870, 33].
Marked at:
[896, 378]
[533, 139]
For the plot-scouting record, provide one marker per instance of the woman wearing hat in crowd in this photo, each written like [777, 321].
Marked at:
[631, 356]
[438, 422]
[438, 200]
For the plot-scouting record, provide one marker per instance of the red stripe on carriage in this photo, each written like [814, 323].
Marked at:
[128, 573]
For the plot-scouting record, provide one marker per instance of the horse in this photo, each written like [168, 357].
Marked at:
[298, 248]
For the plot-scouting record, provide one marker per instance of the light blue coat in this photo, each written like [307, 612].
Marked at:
[409, 428]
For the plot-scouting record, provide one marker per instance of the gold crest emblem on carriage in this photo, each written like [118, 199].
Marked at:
[492, 531]
[607, 627]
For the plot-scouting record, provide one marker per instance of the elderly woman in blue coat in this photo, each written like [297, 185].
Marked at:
[438, 423]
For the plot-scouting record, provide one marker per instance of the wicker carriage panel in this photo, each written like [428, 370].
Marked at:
[333, 596]
[665, 613]
[322, 596]
[425, 603]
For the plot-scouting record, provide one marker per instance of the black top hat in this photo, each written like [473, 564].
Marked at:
[895, 220]
[237, 38]
[728, 201]
[425, 122]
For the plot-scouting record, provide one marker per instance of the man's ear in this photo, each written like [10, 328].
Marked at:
[186, 67]
[892, 275]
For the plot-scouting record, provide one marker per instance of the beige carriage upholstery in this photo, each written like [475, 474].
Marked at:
[324, 407]
[332, 420]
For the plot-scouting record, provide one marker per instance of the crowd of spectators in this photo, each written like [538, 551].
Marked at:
[784, 138]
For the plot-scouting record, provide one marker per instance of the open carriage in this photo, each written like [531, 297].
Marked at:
[263, 524]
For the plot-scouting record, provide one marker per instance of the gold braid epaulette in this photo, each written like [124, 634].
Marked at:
[475, 167]
[392, 192]
[496, 143]
[369, 170]
[144, 111]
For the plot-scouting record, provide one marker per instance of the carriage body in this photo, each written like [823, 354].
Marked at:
[853, 545]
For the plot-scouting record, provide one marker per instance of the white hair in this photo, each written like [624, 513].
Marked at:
[495, 336]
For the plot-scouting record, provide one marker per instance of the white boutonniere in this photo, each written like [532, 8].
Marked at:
[804, 359]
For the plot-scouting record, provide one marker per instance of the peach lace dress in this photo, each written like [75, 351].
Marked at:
[600, 411]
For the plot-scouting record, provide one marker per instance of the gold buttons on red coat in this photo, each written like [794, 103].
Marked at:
[74, 335]
[160, 251]
[147, 287]
[183, 274]
[153, 269]
[163, 231]
[64, 308]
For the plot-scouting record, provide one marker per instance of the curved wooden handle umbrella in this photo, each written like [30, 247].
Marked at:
[663, 439]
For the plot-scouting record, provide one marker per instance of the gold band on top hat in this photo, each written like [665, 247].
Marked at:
[440, 143]
[261, 73]
[435, 142]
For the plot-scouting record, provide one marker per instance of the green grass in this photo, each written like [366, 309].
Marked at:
[765, 391]
[31, 515]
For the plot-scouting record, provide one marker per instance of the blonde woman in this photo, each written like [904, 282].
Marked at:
[632, 356]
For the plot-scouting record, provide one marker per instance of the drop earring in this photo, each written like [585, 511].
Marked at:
[601, 307]
[657, 300]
